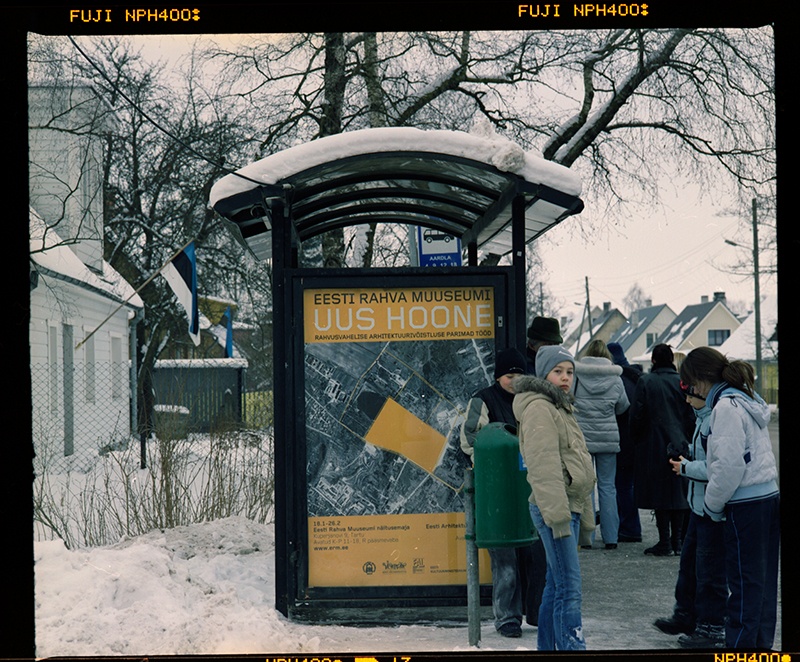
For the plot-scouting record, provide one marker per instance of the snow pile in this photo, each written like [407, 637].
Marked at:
[494, 150]
[202, 589]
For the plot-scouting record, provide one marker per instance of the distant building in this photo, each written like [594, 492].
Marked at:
[742, 345]
[603, 324]
[708, 323]
[641, 331]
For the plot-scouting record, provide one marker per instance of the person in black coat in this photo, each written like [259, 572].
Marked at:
[661, 424]
[518, 573]
[630, 528]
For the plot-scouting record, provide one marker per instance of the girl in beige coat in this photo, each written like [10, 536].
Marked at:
[562, 479]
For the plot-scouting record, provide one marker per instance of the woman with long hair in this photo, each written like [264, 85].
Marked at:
[742, 490]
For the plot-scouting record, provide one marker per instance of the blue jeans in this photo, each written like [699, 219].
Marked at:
[560, 625]
[605, 467]
[629, 523]
[752, 538]
[702, 590]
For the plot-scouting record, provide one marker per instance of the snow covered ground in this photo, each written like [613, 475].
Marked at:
[208, 589]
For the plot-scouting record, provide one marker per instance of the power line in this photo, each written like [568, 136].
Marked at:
[158, 126]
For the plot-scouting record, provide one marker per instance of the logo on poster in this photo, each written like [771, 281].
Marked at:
[368, 568]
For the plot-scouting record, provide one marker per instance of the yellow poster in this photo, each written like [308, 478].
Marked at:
[388, 372]
[390, 550]
[398, 314]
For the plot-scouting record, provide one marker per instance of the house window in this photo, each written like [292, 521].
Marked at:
[89, 368]
[117, 368]
[718, 336]
[650, 339]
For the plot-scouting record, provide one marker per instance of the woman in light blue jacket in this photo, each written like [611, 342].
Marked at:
[599, 398]
[742, 490]
[701, 590]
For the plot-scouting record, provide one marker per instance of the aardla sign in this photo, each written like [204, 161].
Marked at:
[376, 315]
[438, 249]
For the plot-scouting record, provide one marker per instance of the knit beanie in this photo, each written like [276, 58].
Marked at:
[509, 362]
[617, 353]
[548, 357]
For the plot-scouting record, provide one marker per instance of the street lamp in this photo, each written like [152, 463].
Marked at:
[757, 302]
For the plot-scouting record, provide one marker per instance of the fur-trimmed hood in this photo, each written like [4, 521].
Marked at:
[532, 384]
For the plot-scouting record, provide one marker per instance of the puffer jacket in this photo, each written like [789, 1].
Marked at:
[740, 463]
[599, 398]
[694, 467]
[560, 470]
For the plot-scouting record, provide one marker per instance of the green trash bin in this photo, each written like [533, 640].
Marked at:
[502, 514]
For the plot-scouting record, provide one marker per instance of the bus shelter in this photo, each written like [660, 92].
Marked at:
[373, 367]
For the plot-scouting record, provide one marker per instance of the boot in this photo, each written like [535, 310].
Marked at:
[663, 546]
[705, 635]
[678, 623]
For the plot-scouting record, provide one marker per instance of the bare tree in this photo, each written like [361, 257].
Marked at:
[623, 107]
[168, 147]
[636, 299]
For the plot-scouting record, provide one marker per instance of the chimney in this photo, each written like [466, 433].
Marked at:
[704, 298]
[606, 306]
[720, 296]
[648, 303]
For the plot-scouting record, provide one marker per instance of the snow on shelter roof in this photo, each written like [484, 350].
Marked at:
[456, 182]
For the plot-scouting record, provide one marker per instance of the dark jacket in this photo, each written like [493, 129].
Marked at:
[489, 405]
[630, 377]
[661, 425]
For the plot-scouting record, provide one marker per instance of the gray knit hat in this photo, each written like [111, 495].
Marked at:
[548, 357]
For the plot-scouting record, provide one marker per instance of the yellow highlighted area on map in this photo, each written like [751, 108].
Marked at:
[397, 429]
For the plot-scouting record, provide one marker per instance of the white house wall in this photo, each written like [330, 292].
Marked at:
[719, 318]
[105, 421]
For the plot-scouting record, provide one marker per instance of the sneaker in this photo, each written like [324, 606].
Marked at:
[674, 625]
[704, 636]
[511, 630]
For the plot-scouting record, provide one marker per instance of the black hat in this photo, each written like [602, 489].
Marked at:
[617, 353]
[509, 362]
[545, 329]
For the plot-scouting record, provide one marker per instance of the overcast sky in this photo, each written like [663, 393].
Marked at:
[674, 250]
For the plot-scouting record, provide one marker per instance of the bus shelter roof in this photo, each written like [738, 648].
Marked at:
[453, 182]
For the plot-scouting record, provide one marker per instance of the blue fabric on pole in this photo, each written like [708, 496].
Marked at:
[181, 274]
[228, 333]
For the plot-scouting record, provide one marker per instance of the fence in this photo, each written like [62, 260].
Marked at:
[83, 411]
[80, 411]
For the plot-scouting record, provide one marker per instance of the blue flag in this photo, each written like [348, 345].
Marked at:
[228, 333]
[181, 274]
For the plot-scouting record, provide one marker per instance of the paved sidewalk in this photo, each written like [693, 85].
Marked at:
[624, 591]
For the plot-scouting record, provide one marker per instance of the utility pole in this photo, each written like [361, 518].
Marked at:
[756, 294]
[757, 303]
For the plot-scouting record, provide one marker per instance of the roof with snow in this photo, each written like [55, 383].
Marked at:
[52, 256]
[638, 324]
[458, 183]
[742, 342]
[687, 321]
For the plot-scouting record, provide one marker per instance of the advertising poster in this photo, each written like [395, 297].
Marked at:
[388, 373]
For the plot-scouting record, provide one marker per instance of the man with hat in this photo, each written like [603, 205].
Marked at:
[518, 573]
[542, 331]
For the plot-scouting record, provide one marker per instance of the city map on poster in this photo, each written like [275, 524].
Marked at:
[384, 465]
